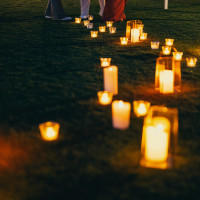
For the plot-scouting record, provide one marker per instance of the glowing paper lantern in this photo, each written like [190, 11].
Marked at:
[86, 22]
[105, 62]
[102, 29]
[105, 97]
[121, 114]
[166, 81]
[124, 40]
[166, 50]
[109, 24]
[49, 130]
[128, 29]
[191, 62]
[94, 34]
[169, 42]
[154, 45]
[141, 107]
[143, 36]
[135, 35]
[77, 20]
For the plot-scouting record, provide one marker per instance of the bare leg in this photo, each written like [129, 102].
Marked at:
[102, 5]
[85, 6]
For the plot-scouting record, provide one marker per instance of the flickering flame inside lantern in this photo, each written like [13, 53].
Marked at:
[124, 40]
[142, 110]
[90, 17]
[105, 97]
[169, 42]
[77, 20]
[143, 36]
[102, 29]
[121, 104]
[109, 23]
[166, 50]
[94, 34]
[177, 56]
[155, 45]
[86, 22]
[105, 62]
[191, 62]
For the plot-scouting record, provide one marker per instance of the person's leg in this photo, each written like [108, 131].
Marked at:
[48, 13]
[85, 6]
[102, 5]
[57, 10]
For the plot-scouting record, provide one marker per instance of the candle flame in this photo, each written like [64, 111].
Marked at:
[121, 104]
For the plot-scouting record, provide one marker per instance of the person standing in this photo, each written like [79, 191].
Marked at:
[85, 7]
[55, 10]
[114, 10]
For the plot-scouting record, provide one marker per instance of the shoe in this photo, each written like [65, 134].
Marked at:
[66, 18]
[48, 17]
[84, 17]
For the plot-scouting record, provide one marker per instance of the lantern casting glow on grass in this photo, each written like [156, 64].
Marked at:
[86, 22]
[94, 34]
[135, 35]
[49, 130]
[141, 108]
[191, 62]
[169, 42]
[159, 137]
[121, 114]
[90, 17]
[154, 45]
[77, 20]
[109, 24]
[105, 97]
[105, 62]
[143, 36]
[124, 40]
[112, 30]
[90, 26]
[102, 29]
[166, 50]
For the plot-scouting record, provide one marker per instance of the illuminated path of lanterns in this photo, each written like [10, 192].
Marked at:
[160, 129]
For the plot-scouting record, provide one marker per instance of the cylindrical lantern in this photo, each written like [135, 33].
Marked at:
[143, 36]
[77, 20]
[105, 97]
[109, 23]
[191, 62]
[166, 50]
[159, 137]
[94, 34]
[86, 22]
[141, 108]
[124, 40]
[49, 130]
[154, 45]
[135, 35]
[169, 42]
[90, 17]
[121, 114]
[112, 30]
[102, 29]
[110, 75]
[90, 26]
[166, 81]
[105, 62]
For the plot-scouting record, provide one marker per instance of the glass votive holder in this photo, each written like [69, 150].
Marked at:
[124, 40]
[143, 36]
[191, 62]
[155, 45]
[169, 42]
[49, 130]
[90, 26]
[77, 20]
[94, 34]
[141, 108]
[177, 55]
[86, 22]
[112, 30]
[90, 17]
[105, 97]
[102, 29]
[140, 27]
[105, 62]
[166, 50]
[109, 23]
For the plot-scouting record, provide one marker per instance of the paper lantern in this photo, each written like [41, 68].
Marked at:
[109, 23]
[77, 20]
[124, 40]
[102, 29]
[169, 42]
[154, 45]
[105, 97]
[105, 62]
[90, 17]
[94, 34]
[86, 22]
[90, 26]
[166, 50]
[191, 62]
[143, 36]
[159, 137]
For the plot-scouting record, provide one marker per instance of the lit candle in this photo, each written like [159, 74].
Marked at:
[77, 20]
[109, 23]
[102, 29]
[121, 114]
[110, 75]
[143, 36]
[177, 56]
[128, 29]
[169, 42]
[135, 35]
[94, 34]
[191, 62]
[166, 50]
[49, 130]
[105, 97]
[90, 17]
[166, 81]
[105, 62]
[154, 45]
[124, 40]
[86, 22]
[141, 108]
[112, 30]
[90, 26]
[140, 27]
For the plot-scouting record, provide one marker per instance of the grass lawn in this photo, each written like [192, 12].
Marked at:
[49, 71]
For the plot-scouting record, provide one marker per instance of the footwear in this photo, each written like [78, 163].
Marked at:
[66, 18]
[84, 17]
[48, 17]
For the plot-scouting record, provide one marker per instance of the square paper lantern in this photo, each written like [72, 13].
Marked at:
[159, 137]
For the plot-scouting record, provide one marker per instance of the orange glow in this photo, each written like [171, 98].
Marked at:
[112, 29]
[102, 29]
[124, 40]
[109, 24]
[135, 35]
[191, 62]
[169, 42]
[166, 50]
[105, 97]
[77, 20]
[143, 36]
[86, 22]
[90, 17]
[141, 108]
[166, 81]
[177, 56]
[105, 62]
[128, 30]
[94, 34]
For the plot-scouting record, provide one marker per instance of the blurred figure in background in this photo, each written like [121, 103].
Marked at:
[55, 10]
[114, 10]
